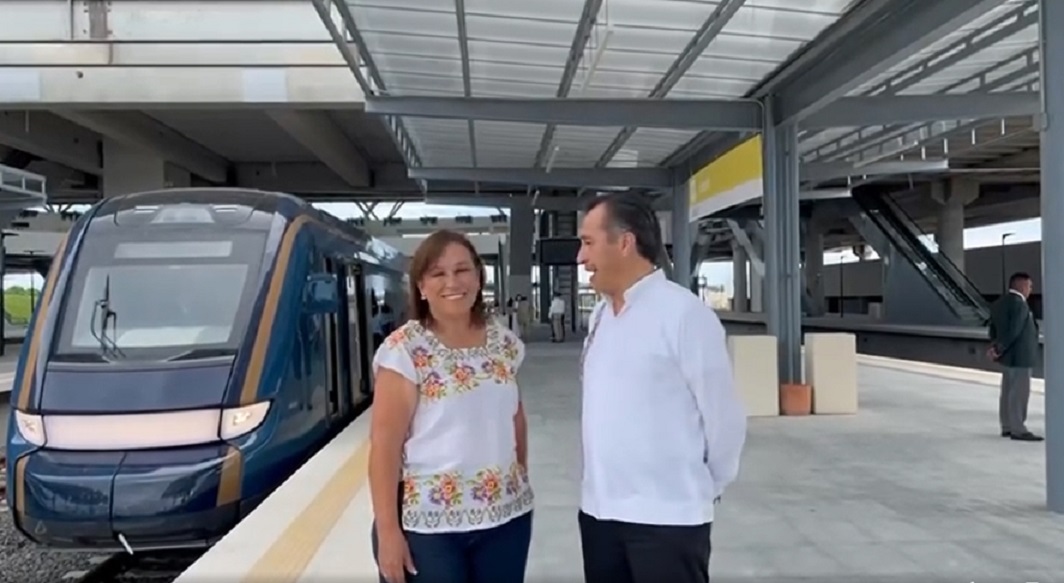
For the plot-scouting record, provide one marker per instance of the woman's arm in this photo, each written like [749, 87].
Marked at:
[394, 400]
[521, 435]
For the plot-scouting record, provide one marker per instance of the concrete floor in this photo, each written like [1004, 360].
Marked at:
[918, 483]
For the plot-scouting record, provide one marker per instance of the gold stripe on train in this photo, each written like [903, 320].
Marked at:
[269, 311]
[20, 489]
[30, 366]
[232, 473]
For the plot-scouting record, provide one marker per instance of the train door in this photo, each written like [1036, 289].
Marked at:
[332, 363]
[342, 348]
[358, 332]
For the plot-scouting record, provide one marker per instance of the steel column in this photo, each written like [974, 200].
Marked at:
[1052, 199]
[770, 203]
[789, 254]
[681, 236]
[783, 289]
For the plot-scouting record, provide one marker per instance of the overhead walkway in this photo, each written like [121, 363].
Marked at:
[917, 484]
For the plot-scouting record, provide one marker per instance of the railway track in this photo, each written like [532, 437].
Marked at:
[126, 568]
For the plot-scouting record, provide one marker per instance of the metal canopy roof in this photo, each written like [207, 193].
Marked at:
[845, 52]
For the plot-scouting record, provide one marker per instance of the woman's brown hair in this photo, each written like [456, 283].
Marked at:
[426, 255]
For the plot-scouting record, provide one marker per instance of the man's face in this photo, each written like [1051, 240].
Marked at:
[1024, 287]
[602, 252]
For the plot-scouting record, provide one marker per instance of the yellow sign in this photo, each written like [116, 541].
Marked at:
[734, 178]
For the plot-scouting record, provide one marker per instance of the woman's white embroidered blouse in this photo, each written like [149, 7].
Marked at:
[460, 469]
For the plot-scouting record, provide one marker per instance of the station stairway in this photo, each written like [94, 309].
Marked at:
[903, 234]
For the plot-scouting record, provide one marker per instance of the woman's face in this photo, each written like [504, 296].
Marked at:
[451, 285]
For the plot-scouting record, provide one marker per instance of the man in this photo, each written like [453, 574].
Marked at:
[663, 426]
[1014, 344]
[557, 318]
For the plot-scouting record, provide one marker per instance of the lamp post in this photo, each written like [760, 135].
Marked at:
[1001, 256]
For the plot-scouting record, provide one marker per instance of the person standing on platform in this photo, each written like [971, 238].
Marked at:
[1014, 345]
[448, 458]
[663, 425]
[557, 318]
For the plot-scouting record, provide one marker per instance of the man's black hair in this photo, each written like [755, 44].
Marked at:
[632, 213]
[1016, 278]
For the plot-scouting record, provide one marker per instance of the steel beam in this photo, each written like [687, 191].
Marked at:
[853, 34]
[358, 57]
[718, 114]
[990, 34]
[905, 27]
[558, 177]
[581, 36]
[892, 109]
[713, 25]
[137, 129]
[467, 84]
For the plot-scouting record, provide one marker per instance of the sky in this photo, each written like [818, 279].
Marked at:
[716, 274]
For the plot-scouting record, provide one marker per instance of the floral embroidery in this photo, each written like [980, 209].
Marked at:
[396, 338]
[433, 387]
[464, 376]
[446, 489]
[487, 486]
[488, 496]
[445, 372]
[422, 358]
[411, 494]
[509, 347]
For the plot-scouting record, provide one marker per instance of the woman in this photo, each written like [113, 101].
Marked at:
[448, 443]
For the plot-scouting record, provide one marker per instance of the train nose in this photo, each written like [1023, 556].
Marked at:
[143, 499]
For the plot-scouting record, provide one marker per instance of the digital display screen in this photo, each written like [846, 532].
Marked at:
[558, 251]
[174, 250]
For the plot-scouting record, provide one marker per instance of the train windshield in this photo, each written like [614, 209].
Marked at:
[181, 295]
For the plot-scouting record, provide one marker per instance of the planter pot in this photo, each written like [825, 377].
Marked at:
[796, 399]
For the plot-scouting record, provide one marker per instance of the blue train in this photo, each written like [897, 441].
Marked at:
[191, 349]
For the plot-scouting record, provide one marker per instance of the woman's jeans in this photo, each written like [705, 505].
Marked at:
[493, 555]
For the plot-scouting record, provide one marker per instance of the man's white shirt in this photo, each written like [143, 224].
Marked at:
[663, 426]
[557, 307]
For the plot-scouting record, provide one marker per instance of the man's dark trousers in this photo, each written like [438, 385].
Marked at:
[621, 552]
[1015, 337]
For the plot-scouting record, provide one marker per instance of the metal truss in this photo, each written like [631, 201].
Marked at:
[873, 138]
[1000, 29]
[941, 60]
[369, 80]
[866, 42]
[720, 114]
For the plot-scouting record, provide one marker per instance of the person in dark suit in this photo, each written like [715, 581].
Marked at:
[1014, 345]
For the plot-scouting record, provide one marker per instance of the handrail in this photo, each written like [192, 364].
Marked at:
[957, 276]
[882, 208]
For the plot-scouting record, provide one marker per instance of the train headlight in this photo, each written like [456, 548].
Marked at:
[31, 427]
[242, 420]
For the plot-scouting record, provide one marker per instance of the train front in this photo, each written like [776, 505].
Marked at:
[124, 433]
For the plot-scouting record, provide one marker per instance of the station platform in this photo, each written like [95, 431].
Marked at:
[919, 482]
